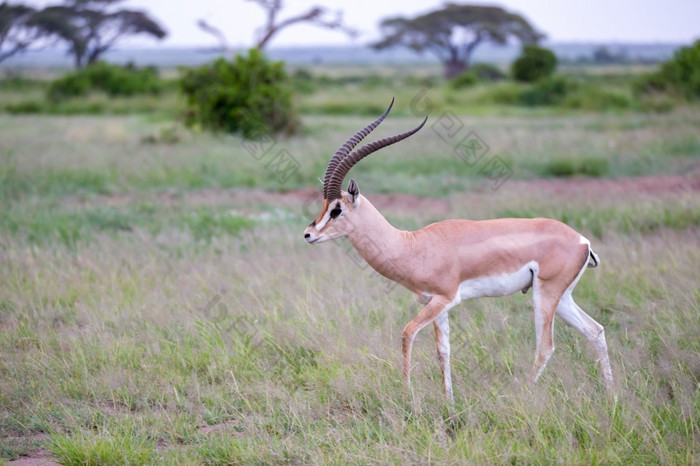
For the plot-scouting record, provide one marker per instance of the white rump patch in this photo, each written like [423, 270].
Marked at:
[499, 285]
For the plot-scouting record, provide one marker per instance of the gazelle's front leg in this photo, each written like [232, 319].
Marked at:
[437, 306]
[442, 338]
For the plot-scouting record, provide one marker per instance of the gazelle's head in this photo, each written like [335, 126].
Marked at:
[336, 218]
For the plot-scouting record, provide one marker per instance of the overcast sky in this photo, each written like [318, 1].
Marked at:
[564, 21]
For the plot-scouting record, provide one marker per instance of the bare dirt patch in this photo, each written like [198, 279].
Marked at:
[38, 457]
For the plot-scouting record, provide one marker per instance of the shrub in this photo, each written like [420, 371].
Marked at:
[533, 64]
[560, 167]
[681, 74]
[593, 166]
[593, 97]
[465, 79]
[549, 91]
[650, 83]
[25, 107]
[71, 85]
[587, 166]
[114, 80]
[503, 93]
[124, 80]
[249, 95]
[487, 72]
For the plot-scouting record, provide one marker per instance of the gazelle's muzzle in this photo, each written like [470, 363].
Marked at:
[310, 235]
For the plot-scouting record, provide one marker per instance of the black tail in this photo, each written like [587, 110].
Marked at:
[594, 258]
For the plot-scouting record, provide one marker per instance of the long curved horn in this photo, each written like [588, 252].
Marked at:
[350, 145]
[336, 179]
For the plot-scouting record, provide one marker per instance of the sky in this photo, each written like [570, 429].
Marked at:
[600, 21]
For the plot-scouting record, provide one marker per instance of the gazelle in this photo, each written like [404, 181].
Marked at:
[453, 260]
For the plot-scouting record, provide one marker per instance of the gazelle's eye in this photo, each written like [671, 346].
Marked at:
[335, 212]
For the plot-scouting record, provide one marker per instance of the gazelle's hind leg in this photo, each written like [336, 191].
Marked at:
[545, 302]
[569, 311]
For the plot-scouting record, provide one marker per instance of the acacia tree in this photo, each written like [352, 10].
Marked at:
[453, 32]
[317, 15]
[91, 27]
[17, 33]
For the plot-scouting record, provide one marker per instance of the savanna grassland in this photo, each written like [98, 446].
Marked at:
[158, 303]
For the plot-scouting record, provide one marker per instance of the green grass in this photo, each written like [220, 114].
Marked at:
[46, 223]
[362, 90]
[158, 304]
[119, 347]
[106, 447]
[565, 167]
[95, 155]
[642, 218]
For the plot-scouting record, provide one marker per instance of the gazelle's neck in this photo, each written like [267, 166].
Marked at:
[377, 241]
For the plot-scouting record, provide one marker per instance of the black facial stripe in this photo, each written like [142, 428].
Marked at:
[336, 211]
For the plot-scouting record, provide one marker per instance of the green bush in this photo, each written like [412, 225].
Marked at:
[533, 64]
[71, 85]
[594, 97]
[548, 91]
[477, 72]
[650, 83]
[466, 79]
[503, 93]
[487, 72]
[565, 167]
[249, 95]
[114, 80]
[679, 75]
[25, 107]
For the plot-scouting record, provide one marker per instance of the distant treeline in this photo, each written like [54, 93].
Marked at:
[173, 57]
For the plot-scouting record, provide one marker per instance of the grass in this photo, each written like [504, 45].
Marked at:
[127, 349]
[157, 303]
[362, 90]
[647, 216]
[97, 155]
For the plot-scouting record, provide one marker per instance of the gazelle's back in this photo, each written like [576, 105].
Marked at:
[504, 245]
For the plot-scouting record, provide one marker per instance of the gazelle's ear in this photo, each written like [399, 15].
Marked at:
[354, 191]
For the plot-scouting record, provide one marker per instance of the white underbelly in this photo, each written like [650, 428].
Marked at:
[499, 285]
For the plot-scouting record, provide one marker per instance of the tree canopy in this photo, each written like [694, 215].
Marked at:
[316, 15]
[91, 27]
[454, 31]
[17, 33]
